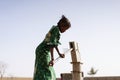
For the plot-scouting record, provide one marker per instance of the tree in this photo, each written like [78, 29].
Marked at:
[3, 67]
[92, 71]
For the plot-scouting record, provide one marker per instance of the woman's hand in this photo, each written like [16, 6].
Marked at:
[62, 55]
[51, 63]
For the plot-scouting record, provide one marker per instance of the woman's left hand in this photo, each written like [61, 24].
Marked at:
[62, 55]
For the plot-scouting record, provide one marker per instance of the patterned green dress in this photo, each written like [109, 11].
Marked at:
[42, 70]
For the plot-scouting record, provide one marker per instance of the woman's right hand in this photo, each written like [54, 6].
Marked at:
[51, 63]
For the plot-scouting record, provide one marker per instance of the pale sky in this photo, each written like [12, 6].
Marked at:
[95, 27]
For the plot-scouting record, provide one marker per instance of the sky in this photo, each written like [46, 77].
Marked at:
[95, 26]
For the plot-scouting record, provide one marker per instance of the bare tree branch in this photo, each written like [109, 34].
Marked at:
[3, 67]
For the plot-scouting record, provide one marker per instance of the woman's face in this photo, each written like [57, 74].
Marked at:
[63, 29]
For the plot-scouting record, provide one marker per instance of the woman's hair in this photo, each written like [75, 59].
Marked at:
[64, 21]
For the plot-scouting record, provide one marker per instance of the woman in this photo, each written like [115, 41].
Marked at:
[44, 52]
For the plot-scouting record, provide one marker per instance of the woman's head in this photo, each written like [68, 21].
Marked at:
[63, 24]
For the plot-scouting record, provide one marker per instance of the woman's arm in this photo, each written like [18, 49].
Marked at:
[56, 47]
[51, 63]
[51, 51]
[61, 55]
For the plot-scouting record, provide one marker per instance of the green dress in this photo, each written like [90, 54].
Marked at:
[42, 70]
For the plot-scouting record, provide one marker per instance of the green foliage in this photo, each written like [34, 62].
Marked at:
[92, 71]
